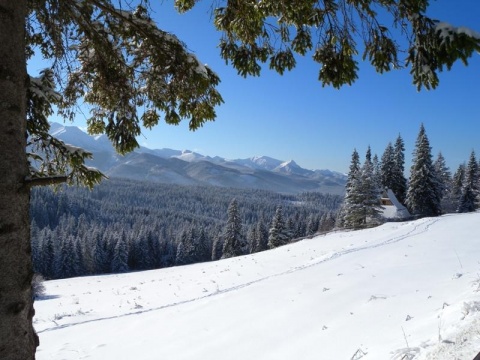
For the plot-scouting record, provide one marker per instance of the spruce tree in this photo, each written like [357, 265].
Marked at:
[348, 213]
[181, 257]
[452, 200]
[193, 247]
[470, 189]
[252, 239]
[444, 180]
[262, 237]
[362, 199]
[65, 258]
[120, 255]
[377, 172]
[369, 191]
[422, 195]
[399, 184]
[278, 233]
[233, 233]
[387, 167]
[312, 225]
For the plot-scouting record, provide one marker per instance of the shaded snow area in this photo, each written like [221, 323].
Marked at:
[400, 291]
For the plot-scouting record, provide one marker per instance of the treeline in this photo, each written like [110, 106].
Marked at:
[431, 189]
[126, 225]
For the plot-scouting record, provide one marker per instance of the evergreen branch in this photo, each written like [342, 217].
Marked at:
[45, 181]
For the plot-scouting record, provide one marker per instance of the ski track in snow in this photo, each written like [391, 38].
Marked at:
[418, 229]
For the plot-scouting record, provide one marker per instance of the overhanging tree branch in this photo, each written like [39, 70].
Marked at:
[45, 181]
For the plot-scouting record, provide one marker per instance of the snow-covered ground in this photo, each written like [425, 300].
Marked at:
[400, 291]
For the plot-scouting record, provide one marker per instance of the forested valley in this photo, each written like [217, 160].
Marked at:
[125, 225]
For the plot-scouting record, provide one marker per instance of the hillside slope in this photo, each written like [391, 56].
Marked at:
[400, 291]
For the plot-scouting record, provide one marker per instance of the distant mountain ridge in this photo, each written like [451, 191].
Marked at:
[190, 168]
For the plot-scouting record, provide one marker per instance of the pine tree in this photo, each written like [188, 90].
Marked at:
[120, 255]
[470, 189]
[362, 202]
[422, 195]
[278, 233]
[262, 237]
[377, 172]
[399, 184]
[86, 249]
[387, 168]
[312, 225]
[252, 239]
[369, 191]
[185, 249]
[100, 252]
[233, 233]
[347, 213]
[444, 180]
[65, 258]
[48, 255]
[456, 189]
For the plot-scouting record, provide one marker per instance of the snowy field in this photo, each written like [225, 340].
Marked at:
[401, 291]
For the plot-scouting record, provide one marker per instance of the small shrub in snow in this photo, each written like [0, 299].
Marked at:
[476, 284]
[470, 307]
[38, 288]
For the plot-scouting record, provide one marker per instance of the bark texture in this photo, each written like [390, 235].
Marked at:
[17, 336]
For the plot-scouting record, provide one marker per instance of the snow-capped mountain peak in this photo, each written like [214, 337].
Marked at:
[189, 167]
[292, 168]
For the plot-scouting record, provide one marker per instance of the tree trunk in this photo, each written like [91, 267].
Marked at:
[17, 337]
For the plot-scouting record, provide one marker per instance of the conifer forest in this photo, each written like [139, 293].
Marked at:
[126, 225]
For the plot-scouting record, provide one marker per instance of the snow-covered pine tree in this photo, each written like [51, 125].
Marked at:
[100, 252]
[87, 256]
[453, 198]
[312, 224]
[369, 191]
[422, 196]
[362, 200]
[202, 246]
[252, 239]
[444, 180]
[189, 249]
[470, 189]
[399, 186]
[262, 237]
[233, 233]
[79, 268]
[387, 167]
[48, 255]
[278, 232]
[120, 255]
[346, 217]
[65, 258]
[377, 173]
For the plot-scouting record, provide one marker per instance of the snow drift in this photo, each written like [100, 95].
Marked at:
[400, 291]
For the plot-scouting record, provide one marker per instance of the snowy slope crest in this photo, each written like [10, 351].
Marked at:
[400, 291]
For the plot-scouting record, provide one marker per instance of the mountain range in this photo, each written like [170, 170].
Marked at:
[190, 168]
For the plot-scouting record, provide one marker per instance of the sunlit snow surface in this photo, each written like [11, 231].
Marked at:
[400, 291]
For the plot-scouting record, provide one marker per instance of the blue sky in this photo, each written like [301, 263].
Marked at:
[294, 117]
